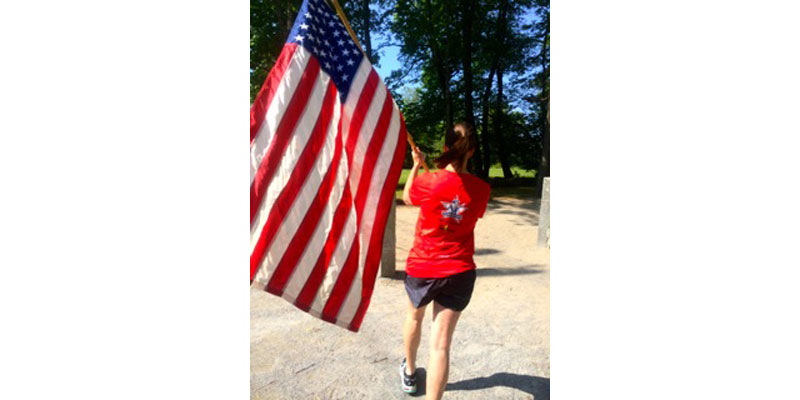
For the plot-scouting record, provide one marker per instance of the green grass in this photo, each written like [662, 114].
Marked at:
[497, 172]
[494, 172]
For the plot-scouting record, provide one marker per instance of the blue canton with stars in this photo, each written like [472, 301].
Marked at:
[320, 31]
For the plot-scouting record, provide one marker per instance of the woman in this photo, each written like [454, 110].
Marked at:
[440, 268]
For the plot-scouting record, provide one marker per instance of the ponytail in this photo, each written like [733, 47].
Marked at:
[458, 142]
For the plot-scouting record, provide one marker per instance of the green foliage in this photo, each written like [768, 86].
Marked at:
[507, 37]
[270, 23]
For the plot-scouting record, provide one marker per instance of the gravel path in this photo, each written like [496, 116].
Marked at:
[501, 347]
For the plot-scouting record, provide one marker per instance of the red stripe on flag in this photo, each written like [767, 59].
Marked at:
[260, 106]
[376, 242]
[342, 285]
[299, 242]
[283, 203]
[283, 134]
[351, 266]
[360, 111]
[371, 156]
[311, 287]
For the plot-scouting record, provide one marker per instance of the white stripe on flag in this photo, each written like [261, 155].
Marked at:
[348, 234]
[356, 88]
[293, 219]
[289, 81]
[317, 240]
[336, 264]
[290, 156]
[365, 135]
[380, 172]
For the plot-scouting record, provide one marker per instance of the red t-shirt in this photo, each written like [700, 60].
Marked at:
[450, 205]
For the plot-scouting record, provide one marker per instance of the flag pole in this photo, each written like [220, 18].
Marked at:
[339, 11]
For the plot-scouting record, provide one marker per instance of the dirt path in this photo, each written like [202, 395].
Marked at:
[501, 348]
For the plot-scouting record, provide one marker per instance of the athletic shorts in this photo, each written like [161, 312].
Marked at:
[452, 292]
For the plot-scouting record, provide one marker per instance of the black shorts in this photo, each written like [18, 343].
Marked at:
[452, 292]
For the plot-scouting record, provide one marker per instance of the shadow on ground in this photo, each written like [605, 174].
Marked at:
[528, 269]
[421, 376]
[528, 210]
[537, 386]
[480, 252]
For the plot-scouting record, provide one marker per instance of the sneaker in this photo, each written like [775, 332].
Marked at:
[407, 382]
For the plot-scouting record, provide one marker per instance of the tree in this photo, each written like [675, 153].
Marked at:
[540, 81]
[485, 62]
[467, 11]
[508, 37]
[270, 24]
[427, 35]
[495, 55]
[366, 17]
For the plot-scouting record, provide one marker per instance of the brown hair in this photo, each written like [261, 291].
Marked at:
[458, 141]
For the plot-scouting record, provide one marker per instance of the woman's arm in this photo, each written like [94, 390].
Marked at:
[418, 158]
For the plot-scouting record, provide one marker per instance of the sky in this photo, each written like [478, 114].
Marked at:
[390, 60]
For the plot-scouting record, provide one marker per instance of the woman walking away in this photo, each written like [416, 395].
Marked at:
[440, 266]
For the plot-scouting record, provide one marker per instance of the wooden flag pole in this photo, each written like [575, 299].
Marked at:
[339, 11]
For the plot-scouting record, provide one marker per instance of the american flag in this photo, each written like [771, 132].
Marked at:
[327, 143]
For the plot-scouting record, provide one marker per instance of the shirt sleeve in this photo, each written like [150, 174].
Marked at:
[420, 189]
[484, 202]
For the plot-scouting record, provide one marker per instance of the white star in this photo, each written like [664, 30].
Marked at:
[341, 42]
[303, 26]
[327, 65]
[339, 67]
[311, 6]
[354, 51]
[324, 54]
[344, 53]
[327, 43]
[308, 15]
[335, 57]
[330, 23]
[349, 62]
[344, 78]
[311, 38]
[336, 33]
[298, 38]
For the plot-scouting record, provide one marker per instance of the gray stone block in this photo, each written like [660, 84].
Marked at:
[544, 216]
[389, 244]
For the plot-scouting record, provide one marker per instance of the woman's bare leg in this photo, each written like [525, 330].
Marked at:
[412, 329]
[444, 323]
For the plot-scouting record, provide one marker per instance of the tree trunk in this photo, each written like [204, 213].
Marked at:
[466, 6]
[499, 39]
[442, 72]
[365, 19]
[444, 83]
[544, 109]
[498, 126]
[487, 151]
[289, 17]
[498, 114]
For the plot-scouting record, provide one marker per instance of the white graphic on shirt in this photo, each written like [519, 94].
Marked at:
[453, 209]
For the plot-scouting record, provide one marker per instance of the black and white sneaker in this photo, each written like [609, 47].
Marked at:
[407, 382]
